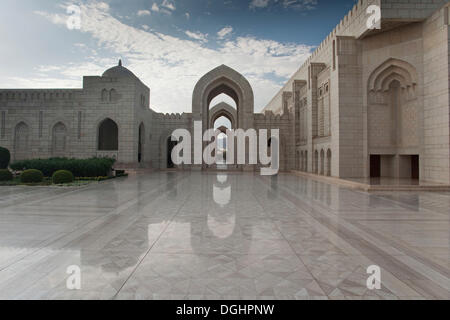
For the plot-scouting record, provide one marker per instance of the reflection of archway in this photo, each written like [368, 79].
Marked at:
[141, 143]
[108, 135]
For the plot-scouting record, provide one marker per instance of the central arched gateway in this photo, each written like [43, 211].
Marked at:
[225, 80]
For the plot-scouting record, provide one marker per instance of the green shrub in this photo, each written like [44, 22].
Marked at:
[5, 156]
[62, 176]
[5, 175]
[93, 167]
[31, 176]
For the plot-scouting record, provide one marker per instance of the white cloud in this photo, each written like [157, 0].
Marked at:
[145, 27]
[292, 4]
[224, 32]
[142, 13]
[155, 7]
[197, 36]
[168, 5]
[300, 4]
[259, 4]
[171, 66]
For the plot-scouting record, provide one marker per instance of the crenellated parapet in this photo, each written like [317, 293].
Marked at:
[36, 95]
[171, 116]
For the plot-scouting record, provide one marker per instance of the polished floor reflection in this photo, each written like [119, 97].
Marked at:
[222, 236]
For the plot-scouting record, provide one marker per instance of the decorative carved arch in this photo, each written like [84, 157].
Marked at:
[392, 69]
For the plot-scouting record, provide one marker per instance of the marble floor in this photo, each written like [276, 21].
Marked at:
[179, 235]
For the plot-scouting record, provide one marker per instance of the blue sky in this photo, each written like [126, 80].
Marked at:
[169, 44]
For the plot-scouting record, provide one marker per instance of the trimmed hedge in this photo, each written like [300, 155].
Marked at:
[62, 176]
[93, 167]
[5, 175]
[32, 176]
[5, 157]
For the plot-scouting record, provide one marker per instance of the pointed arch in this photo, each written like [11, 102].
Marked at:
[113, 95]
[223, 79]
[222, 109]
[108, 135]
[104, 95]
[393, 69]
[328, 173]
[322, 162]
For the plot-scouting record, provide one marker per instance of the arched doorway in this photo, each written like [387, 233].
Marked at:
[329, 163]
[222, 110]
[108, 135]
[322, 162]
[306, 161]
[316, 162]
[141, 142]
[222, 124]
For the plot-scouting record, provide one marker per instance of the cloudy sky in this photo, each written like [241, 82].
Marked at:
[168, 44]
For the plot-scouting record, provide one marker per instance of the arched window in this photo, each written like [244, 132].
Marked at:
[59, 138]
[108, 136]
[104, 95]
[113, 95]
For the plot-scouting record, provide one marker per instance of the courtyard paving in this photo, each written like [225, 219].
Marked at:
[179, 235]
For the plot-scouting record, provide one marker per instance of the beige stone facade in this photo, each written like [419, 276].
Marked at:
[375, 102]
[366, 103]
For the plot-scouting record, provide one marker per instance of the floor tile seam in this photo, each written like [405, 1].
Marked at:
[387, 255]
[150, 248]
[294, 251]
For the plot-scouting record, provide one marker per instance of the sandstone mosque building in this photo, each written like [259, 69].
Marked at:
[367, 103]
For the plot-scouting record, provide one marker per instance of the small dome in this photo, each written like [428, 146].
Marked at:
[119, 72]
